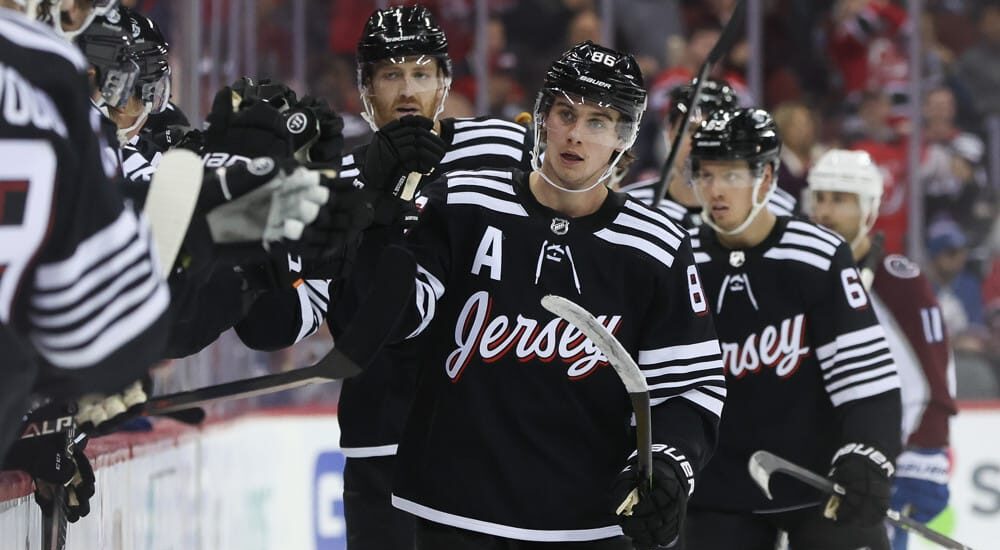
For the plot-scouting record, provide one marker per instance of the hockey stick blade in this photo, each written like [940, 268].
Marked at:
[763, 465]
[722, 45]
[631, 376]
[171, 201]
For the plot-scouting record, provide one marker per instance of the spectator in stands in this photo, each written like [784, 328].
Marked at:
[958, 290]
[797, 125]
[979, 67]
[643, 27]
[866, 48]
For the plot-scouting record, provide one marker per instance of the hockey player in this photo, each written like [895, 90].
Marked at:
[845, 188]
[82, 304]
[404, 74]
[519, 428]
[679, 202]
[809, 372]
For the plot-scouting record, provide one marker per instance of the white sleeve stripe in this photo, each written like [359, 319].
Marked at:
[795, 254]
[319, 287]
[809, 242]
[688, 382]
[493, 133]
[350, 173]
[62, 317]
[112, 337]
[308, 323]
[708, 348]
[827, 236]
[79, 334]
[643, 245]
[888, 370]
[860, 336]
[857, 365]
[480, 150]
[708, 402]
[426, 305]
[65, 273]
[104, 271]
[472, 123]
[436, 285]
[488, 202]
[844, 355]
[716, 390]
[683, 369]
[672, 241]
[481, 173]
[854, 393]
[482, 182]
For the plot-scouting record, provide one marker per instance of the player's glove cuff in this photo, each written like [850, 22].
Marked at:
[865, 474]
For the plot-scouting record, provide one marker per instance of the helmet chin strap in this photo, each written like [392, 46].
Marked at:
[123, 133]
[754, 211]
[607, 174]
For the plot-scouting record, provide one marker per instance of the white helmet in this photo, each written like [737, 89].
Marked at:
[844, 171]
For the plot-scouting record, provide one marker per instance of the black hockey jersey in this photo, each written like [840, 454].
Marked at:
[373, 406]
[79, 283]
[519, 426]
[805, 361]
[781, 203]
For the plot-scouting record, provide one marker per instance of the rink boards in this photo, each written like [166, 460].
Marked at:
[274, 481]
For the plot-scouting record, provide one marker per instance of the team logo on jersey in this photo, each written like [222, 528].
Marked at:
[297, 123]
[780, 347]
[737, 258]
[901, 266]
[736, 283]
[527, 339]
[559, 226]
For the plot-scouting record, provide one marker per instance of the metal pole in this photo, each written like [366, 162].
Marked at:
[232, 64]
[299, 44]
[482, 63]
[250, 38]
[608, 23]
[192, 60]
[215, 46]
[993, 149]
[915, 192]
[755, 62]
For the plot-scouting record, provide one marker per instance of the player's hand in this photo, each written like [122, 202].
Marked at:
[865, 474]
[658, 516]
[52, 459]
[246, 127]
[328, 146]
[920, 489]
[329, 245]
[402, 146]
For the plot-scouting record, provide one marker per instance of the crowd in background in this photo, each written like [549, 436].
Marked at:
[836, 73]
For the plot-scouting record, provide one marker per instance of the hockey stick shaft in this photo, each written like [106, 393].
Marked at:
[722, 46]
[632, 378]
[763, 464]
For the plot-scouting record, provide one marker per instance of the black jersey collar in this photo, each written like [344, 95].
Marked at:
[596, 221]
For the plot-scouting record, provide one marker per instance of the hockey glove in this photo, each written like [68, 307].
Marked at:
[49, 456]
[102, 414]
[657, 519]
[328, 147]
[275, 93]
[249, 128]
[920, 489]
[402, 146]
[865, 474]
[328, 246]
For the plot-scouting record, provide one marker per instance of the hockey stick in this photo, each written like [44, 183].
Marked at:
[763, 464]
[369, 331]
[722, 46]
[171, 201]
[631, 376]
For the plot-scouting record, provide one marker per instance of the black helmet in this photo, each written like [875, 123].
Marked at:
[602, 75]
[401, 31]
[715, 94]
[741, 134]
[151, 51]
[107, 45]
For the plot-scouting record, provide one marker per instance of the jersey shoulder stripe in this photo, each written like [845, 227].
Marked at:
[782, 203]
[486, 122]
[657, 217]
[643, 192]
[639, 243]
[33, 35]
[491, 190]
[806, 243]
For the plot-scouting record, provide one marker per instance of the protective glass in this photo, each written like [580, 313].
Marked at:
[118, 81]
[585, 121]
[156, 94]
[406, 75]
[731, 178]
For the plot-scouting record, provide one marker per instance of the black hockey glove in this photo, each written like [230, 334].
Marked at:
[52, 459]
[277, 94]
[250, 128]
[402, 146]
[328, 147]
[657, 518]
[329, 245]
[865, 473]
